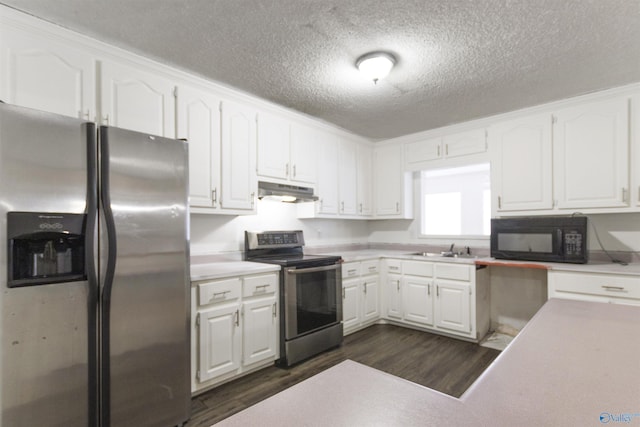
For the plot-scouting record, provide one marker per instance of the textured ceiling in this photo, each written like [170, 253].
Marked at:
[457, 60]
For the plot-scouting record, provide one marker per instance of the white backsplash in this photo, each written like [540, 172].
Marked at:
[212, 234]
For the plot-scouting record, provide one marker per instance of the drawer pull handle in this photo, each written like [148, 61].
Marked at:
[261, 287]
[351, 272]
[393, 267]
[372, 268]
[222, 294]
[613, 288]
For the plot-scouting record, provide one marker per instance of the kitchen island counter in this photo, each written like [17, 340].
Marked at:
[575, 363]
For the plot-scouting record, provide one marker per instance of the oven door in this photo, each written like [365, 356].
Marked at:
[312, 299]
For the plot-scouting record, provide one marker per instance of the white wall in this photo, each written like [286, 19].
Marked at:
[223, 233]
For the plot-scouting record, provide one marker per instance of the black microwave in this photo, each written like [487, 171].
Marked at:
[544, 238]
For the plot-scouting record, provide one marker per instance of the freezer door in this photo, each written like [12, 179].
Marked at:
[44, 369]
[145, 295]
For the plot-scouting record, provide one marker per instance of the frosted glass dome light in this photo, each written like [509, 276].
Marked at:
[376, 65]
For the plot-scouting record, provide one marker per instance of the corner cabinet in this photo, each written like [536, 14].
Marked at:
[235, 328]
[392, 186]
[238, 157]
[452, 299]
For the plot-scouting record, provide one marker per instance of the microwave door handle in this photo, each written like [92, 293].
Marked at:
[560, 235]
[312, 269]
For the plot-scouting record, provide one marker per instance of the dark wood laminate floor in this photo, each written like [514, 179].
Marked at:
[444, 364]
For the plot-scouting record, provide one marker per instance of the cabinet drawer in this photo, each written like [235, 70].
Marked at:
[350, 269]
[369, 267]
[394, 266]
[259, 285]
[453, 272]
[218, 291]
[597, 284]
[417, 268]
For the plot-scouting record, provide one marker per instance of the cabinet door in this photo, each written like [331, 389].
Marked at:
[452, 305]
[239, 179]
[219, 337]
[328, 174]
[371, 305]
[347, 177]
[465, 143]
[364, 180]
[199, 124]
[591, 155]
[350, 303]
[260, 330]
[522, 171]
[136, 100]
[388, 181]
[416, 153]
[273, 146]
[418, 299]
[394, 296]
[45, 75]
[303, 154]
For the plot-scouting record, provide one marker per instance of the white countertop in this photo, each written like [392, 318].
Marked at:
[219, 270]
[595, 267]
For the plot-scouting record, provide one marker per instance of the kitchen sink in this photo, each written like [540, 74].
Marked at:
[443, 254]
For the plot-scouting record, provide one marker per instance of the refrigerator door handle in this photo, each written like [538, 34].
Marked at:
[91, 270]
[107, 285]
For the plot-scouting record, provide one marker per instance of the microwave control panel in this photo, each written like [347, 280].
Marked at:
[572, 243]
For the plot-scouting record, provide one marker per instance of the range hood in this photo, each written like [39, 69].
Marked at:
[285, 193]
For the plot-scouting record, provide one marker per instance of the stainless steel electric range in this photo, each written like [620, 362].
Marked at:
[310, 293]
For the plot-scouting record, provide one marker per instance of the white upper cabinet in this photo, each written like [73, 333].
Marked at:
[286, 151]
[347, 177]
[365, 179]
[199, 124]
[465, 143]
[522, 167]
[421, 154]
[391, 191]
[45, 74]
[134, 99]
[239, 181]
[327, 174]
[274, 137]
[591, 155]
[303, 154]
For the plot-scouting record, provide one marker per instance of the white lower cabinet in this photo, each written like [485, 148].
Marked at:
[599, 287]
[418, 299]
[453, 306]
[360, 295]
[235, 328]
[439, 297]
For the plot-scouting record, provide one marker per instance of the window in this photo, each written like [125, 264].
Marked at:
[456, 201]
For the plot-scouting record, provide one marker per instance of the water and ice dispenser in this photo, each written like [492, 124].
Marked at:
[45, 248]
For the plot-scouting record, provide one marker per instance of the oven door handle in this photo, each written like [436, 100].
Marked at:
[312, 269]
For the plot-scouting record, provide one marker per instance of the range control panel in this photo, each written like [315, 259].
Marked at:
[283, 238]
[273, 239]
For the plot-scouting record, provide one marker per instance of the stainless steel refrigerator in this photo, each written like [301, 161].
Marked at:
[94, 288]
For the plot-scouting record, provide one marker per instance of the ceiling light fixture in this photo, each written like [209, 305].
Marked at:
[376, 65]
